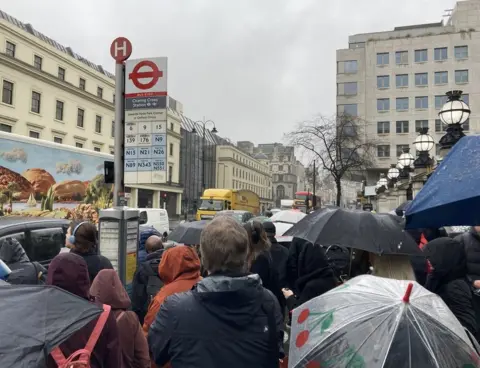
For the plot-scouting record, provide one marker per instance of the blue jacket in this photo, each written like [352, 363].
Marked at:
[145, 233]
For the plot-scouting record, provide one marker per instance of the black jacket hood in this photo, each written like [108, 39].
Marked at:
[233, 299]
[312, 264]
[11, 251]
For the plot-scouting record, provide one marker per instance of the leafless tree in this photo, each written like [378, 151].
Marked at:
[339, 144]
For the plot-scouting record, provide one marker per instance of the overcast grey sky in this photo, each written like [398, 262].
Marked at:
[255, 67]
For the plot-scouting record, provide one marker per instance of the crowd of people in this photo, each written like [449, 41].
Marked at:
[227, 300]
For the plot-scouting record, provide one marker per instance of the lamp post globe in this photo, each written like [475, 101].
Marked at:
[453, 114]
[383, 181]
[424, 142]
[393, 173]
[406, 158]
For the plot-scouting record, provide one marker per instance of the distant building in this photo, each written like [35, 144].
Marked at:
[396, 80]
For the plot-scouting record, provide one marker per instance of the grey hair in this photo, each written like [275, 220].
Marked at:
[224, 246]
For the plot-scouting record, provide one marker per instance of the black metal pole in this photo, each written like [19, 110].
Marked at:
[314, 197]
[203, 159]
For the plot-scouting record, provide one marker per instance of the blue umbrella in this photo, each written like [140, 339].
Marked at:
[451, 195]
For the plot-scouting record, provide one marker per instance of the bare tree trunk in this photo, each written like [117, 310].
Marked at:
[339, 191]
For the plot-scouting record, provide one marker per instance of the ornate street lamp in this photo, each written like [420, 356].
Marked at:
[393, 174]
[405, 161]
[382, 184]
[453, 114]
[423, 144]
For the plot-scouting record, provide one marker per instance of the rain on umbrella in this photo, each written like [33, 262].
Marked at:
[374, 322]
[372, 232]
[188, 232]
[35, 319]
[451, 196]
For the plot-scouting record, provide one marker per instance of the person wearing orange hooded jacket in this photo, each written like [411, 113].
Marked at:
[180, 271]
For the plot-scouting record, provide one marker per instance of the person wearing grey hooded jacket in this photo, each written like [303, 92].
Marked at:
[23, 271]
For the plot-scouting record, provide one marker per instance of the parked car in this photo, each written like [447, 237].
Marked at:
[240, 216]
[42, 238]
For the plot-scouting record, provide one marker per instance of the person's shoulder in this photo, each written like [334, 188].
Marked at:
[179, 301]
[458, 287]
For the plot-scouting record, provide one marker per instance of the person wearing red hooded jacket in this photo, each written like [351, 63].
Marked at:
[69, 272]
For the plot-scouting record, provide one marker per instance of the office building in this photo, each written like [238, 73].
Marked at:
[395, 81]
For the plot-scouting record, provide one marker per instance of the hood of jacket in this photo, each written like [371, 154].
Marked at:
[312, 264]
[448, 260]
[108, 289]
[233, 299]
[179, 263]
[11, 251]
[69, 272]
[155, 255]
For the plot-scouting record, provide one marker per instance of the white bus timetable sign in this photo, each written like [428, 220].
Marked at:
[145, 121]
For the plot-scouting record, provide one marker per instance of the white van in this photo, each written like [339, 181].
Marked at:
[156, 218]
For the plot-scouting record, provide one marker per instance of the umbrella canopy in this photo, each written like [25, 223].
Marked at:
[188, 232]
[288, 216]
[403, 206]
[376, 233]
[35, 319]
[374, 322]
[282, 228]
[451, 196]
[260, 219]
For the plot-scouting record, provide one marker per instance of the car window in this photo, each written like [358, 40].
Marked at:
[20, 237]
[143, 218]
[45, 243]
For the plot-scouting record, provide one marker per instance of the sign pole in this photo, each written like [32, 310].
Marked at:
[119, 139]
[120, 50]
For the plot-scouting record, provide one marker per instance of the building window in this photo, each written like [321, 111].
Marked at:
[100, 92]
[383, 150]
[419, 124]
[171, 127]
[58, 140]
[59, 111]
[466, 125]
[347, 89]
[421, 56]
[80, 117]
[33, 134]
[383, 104]
[112, 152]
[37, 62]
[461, 52]
[98, 124]
[113, 98]
[383, 81]
[402, 126]
[461, 76]
[170, 149]
[466, 98]
[36, 100]
[401, 103]
[113, 129]
[421, 79]
[383, 58]
[348, 109]
[350, 66]
[441, 77]
[170, 173]
[439, 126]
[440, 101]
[82, 83]
[421, 102]
[401, 80]
[440, 54]
[383, 127]
[78, 145]
[5, 128]
[96, 149]
[7, 95]
[401, 148]
[61, 73]
[401, 57]
[10, 49]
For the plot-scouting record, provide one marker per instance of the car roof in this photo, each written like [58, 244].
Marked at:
[16, 220]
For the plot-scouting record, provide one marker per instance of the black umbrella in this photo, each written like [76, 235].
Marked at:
[188, 232]
[375, 233]
[35, 319]
[403, 207]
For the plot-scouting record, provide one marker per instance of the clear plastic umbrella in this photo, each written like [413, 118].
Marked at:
[373, 322]
[289, 216]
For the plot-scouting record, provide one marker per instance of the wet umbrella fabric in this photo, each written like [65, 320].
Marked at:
[374, 322]
[372, 232]
[288, 216]
[188, 232]
[403, 207]
[35, 319]
[451, 196]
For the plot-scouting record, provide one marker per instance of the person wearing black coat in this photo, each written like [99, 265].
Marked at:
[82, 240]
[315, 276]
[471, 243]
[279, 253]
[449, 280]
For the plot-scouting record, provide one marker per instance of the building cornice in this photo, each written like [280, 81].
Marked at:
[27, 69]
[8, 118]
[230, 159]
[65, 58]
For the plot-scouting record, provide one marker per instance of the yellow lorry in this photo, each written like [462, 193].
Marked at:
[215, 200]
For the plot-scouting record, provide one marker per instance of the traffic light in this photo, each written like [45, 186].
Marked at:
[109, 172]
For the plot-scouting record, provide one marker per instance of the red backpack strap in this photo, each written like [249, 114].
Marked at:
[97, 331]
[119, 317]
[58, 356]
